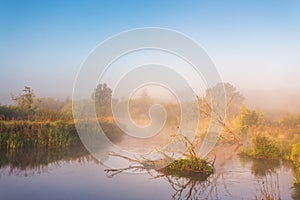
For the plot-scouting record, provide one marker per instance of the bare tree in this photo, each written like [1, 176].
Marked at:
[233, 104]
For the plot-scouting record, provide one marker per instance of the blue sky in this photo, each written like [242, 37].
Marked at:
[254, 44]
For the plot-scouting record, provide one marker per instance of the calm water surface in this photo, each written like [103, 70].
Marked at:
[76, 175]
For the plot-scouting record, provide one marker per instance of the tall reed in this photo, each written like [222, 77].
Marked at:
[24, 134]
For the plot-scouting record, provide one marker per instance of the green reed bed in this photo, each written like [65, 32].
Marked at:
[25, 134]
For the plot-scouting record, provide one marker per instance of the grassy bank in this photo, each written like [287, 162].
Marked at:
[31, 134]
[26, 134]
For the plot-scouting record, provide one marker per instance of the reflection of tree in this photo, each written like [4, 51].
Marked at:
[265, 171]
[189, 185]
[188, 176]
[268, 187]
[296, 188]
[296, 193]
[36, 160]
[192, 186]
[112, 131]
[262, 167]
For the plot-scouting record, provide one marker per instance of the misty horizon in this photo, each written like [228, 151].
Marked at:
[276, 100]
[255, 50]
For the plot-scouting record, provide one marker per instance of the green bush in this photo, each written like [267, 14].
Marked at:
[265, 147]
[243, 151]
[285, 148]
[247, 119]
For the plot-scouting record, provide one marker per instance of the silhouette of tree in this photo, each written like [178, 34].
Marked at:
[102, 96]
[25, 100]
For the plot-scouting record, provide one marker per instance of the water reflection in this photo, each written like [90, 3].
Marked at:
[262, 167]
[239, 178]
[296, 193]
[265, 182]
[267, 174]
[36, 160]
[194, 186]
[185, 185]
[268, 187]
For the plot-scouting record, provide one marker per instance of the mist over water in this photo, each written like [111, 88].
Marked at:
[283, 100]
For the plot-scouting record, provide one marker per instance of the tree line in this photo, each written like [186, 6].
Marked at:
[29, 107]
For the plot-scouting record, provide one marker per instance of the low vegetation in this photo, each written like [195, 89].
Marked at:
[26, 134]
[190, 165]
[267, 148]
[295, 157]
[269, 139]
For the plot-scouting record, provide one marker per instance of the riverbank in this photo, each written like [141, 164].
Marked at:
[28, 134]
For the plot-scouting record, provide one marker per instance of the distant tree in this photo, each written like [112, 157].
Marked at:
[290, 121]
[234, 99]
[144, 94]
[140, 106]
[233, 102]
[49, 103]
[247, 119]
[25, 99]
[102, 96]
[67, 106]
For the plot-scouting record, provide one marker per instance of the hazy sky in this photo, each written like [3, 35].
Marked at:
[254, 44]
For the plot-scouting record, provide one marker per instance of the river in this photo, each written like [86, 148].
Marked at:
[74, 174]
